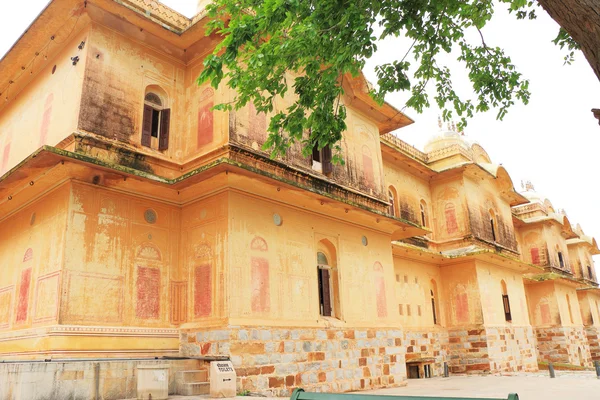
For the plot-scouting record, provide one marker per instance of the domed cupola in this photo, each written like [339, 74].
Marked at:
[447, 138]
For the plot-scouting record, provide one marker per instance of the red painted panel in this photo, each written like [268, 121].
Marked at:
[380, 294]
[5, 155]
[205, 124]
[261, 301]
[545, 311]
[462, 307]
[46, 120]
[535, 255]
[203, 290]
[368, 170]
[23, 304]
[451, 224]
[148, 293]
[257, 124]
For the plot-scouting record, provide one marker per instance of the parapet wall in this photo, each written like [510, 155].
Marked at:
[81, 380]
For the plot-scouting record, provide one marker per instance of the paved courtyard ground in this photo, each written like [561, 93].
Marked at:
[572, 386]
[539, 386]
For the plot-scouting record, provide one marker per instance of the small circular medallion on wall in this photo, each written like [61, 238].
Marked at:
[203, 213]
[277, 219]
[149, 236]
[364, 241]
[32, 220]
[150, 216]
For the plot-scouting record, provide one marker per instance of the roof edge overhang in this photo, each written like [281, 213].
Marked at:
[47, 157]
[553, 276]
[387, 117]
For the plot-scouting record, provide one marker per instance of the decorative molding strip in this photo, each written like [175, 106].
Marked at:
[77, 330]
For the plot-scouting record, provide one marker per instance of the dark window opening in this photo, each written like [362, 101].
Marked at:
[413, 372]
[589, 268]
[493, 229]
[155, 123]
[561, 262]
[316, 154]
[324, 293]
[506, 303]
[433, 308]
[423, 221]
[427, 370]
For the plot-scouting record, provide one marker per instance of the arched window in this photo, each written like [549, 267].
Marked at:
[392, 200]
[423, 207]
[493, 224]
[561, 261]
[156, 120]
[434, 308]
[328, 280]
[569, 307]
[505, 302]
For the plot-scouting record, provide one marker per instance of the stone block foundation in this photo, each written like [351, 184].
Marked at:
[593, 333]
[480, 349]
[429, 346]
[275, 360]
[564, 344]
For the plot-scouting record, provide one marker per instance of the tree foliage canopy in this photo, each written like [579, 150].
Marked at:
[317, 42]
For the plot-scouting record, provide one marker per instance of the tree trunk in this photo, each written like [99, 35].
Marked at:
[581, 19]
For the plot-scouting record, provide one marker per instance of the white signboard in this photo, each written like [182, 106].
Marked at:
[222, 379]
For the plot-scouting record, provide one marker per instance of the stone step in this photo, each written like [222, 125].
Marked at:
[193, 376]
[194, 389]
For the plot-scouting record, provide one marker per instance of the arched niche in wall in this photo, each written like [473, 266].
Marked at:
[22, 312]
[148, 270]
[393, 200]
[203, 279]
[380, 293]
[260, 276]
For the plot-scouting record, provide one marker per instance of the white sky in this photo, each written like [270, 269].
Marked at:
[554, 141]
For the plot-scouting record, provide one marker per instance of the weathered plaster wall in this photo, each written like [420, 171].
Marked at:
[45, 111]
[32, 248]
[409, 191]
[483, 196]
[450, 211]
[198, 289]
[489, 277]
[543, 304]
[204, 130]
[273, 268]
[462, 295]
[360, 146]
[580, 260]
[414, 282]
[558, 323]
[123, 250]
[117, 73]
[589, 304]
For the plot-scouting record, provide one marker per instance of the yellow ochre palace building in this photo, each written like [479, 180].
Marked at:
[137, 224]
